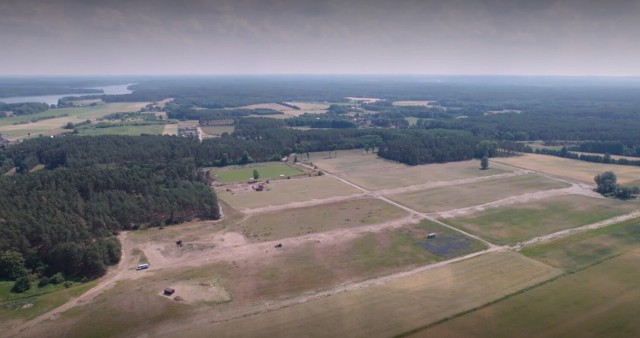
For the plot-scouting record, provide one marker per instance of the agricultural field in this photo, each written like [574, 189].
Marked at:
[585, 249]
[412, 103]
[465, 195]
[315, 256]
[374, 173]
[133, 130]
[58, 118]
[272, 170]
[388, 309]
[314, 219]
[282, 192]
[515, 223]
[600, 301]
[170, 129]
[574, 169]
[216, 131]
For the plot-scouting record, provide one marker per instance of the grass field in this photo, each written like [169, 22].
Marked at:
[588, 248]
[155, 129]
[601, 301]
[54, 126]
[577, 170]
[272, 170]
[35, 301]
[511, 224]
[465, 195]
[301, 221]
[394, 307]
[287, 191]
[374, 173]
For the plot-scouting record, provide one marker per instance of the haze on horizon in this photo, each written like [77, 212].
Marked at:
[500, 37]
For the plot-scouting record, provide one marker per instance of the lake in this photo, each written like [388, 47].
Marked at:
[53, 99]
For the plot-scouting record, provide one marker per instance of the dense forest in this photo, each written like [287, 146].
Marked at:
[62, 219]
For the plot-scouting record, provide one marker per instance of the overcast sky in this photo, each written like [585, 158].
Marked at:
[524, 37]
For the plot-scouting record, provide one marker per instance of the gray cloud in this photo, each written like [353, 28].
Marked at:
[574, 37]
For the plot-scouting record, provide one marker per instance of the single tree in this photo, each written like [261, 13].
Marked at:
[256, 174]
[484, 163]
[12, 265]
[607, 182]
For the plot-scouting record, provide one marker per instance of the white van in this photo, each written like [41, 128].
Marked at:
[142, 266]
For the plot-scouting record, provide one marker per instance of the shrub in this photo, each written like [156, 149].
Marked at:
[44, 281]
[56, 279]
[21, 285]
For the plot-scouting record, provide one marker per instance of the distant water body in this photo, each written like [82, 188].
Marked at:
[53, 99]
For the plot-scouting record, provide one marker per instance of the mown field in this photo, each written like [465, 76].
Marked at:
[465, 195]
[511, 224]
[271, 170]
[301, 221]
[600, 301]
[392, 308]
[287, 191]
[374, 173]
[574, 169]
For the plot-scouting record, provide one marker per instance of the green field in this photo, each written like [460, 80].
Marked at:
[601, 301]
[272, 170]
[389, 309]
[508, 225]
[301, 221]
[154, 129]
[36, 301]
[466, 195]
[587, 248]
